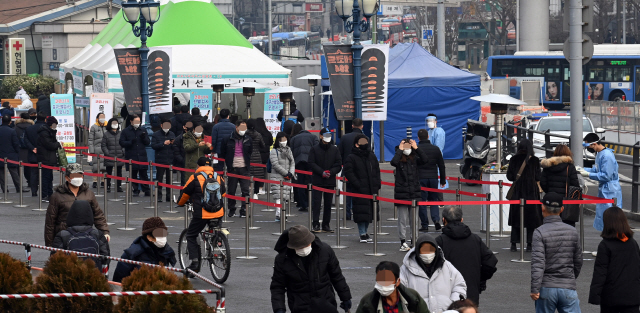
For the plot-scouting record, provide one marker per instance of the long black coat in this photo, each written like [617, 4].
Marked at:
[44, 105]
[10, 147]
[164, 153]
[307, 291]
[406, 175]
[435, 162]
[525, 188]
[347, 142]
[324, 157]
[616, 274]
[178, 152]
[554, 174]
[469, 255]
[362, 170]
[134, 142]
[267, 138]
[256, 153]
[111, 147]
[47, 146]
[21, 128]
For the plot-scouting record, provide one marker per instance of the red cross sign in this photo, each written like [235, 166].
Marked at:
[17, 45]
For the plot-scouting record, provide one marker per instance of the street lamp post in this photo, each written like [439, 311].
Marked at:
[356, 26]
[146, 11]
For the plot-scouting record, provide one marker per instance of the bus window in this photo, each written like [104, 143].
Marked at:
[567, 73]
[532, 70]
[596, 74]
[618, 74]
[553, 74]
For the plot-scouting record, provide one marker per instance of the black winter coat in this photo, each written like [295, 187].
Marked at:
[142, 250]
[178, 152]
[307, 291]
[267, 139]
[134, 142]
[324, 157]
[469, 255]
[347, 142]
[21, 128]
[256, 153]
[221, 132]
[10, 148]
[32, 137]
[362, 170]
[47, 146]
[435, 162]
[406, 175]
[111, 147]
[415, 304]
[178, 122]
[44, 105]
[229, 148]
[616, 274]
[554, 174]
[164, 153]
[301, 145]
[525, 188]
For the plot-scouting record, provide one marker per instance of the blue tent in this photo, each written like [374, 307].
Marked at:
[419, 84]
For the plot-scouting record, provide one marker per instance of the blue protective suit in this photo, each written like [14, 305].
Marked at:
[605, 171]
[437, 138]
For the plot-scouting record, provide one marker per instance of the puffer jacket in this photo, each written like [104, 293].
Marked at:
[256, 157]
[445, 285]
[311, 291]
[21, 128]
[301, 145]
[554, 174]
[134, 142]
[59, 206]
[362, 170]
[111, 147]
[282, 163]
[324, 157]
[556, 258]
[221, 132]
[47, 146]
[193, 151]
[163, 153]
[410, 301]
[407, 178]
[44, 105]
[178, 151]
[10, 148]
[434, 163]
[178, 122]
[95, 143]
[142, 250]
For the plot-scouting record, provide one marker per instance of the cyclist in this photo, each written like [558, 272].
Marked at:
[194, 190]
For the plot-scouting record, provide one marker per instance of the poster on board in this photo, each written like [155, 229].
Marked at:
[63, 109]
[272, 107]
[375, 81]
[101, 103]
[128, 60]
[203, 100]
[340, 67]
[160, 82]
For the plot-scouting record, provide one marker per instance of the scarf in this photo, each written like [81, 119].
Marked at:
[623, 237]
[103, 124]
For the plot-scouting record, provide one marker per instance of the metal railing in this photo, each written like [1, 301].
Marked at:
[622, 117]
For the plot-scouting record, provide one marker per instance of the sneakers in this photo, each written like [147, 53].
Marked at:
[369, 239]
[262, 192]
[513, 247]
[119, 189]
[109, 189]
[243, 213]
[316, 228]
[95, 185]
[326, 229]
[404, 247]
[423, 229]
[363, 238]
[159, 200]
[136, 193]
[255, 196]
[45, 199]
[277, 218]
[594, 253]
[147, 194]
[438, 227]
[231, 213]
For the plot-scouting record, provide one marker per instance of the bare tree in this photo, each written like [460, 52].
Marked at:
[496, 10]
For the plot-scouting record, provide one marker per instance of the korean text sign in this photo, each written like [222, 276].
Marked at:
[272, 106]
[202, 99]
[340, 66]
[100, 103]
[63, 109]
[128, 60]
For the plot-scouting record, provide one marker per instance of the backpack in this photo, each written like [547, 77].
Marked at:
[269, 162]
[22, 140]
[84, 242]
[211, 199]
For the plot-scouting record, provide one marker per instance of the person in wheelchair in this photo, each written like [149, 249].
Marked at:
[205, 189]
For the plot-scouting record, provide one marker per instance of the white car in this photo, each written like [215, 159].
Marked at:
[561, 125]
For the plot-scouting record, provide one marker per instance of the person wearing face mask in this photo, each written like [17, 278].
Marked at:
[47, 153]
[111, 147]
[347, 142]
[134, 141]
[194, 146]
[301, 143]
[31, 140]
[362, 170]
[283, 168]
[325, 163]
[308, 272]
[61, 201]
[258, 147]
[407, 184]
[605, 171]
[236, 151]
[162, 143]
[437, 137]
[152, 247]
[390, 295]
[425, 270]
[10, 149]
[96, 132]
[429, 173]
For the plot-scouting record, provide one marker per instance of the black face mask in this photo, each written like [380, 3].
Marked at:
[33, 117]
[364, 147]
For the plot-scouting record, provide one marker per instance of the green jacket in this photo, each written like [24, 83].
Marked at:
[192, 150]
[410, 301]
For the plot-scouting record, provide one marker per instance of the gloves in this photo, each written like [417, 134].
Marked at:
[288, 176]
[326, 174]
[346, 305]
[584, 173]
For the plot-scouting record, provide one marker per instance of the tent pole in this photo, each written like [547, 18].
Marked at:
[381, 141]
[269, 8]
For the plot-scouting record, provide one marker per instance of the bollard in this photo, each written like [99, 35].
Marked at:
[268, 191]
[5, 199]
[129, 193]
[291, 190]
[21, 174]
[395, 214]
[283, 216]
[27, 251]
[171, 211]
[152, 194]
[39, 189]
[106, 214]
[250, 210]
[414, 224]
[458, 197]
[226, 201]
[344, 208]
[115, 181]
[155, 202]
[375, 226]
[501, 216]
[309, 210]
[582, 230]
[105, 266]
[98, 179]
[247, 228]
[522, 234]
[488, 224]
[126, 209]
[337, 200]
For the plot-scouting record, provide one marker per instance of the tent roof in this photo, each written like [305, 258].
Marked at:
[412, 66]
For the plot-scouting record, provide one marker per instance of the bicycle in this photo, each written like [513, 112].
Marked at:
[215, 251]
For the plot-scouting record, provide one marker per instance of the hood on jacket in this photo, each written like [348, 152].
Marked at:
[21, 120]
[80, 214]
[283, 240]
[45, 129]
[553, 161]
[42, 97]
[456, 230]
[414, 263]
[206, 169]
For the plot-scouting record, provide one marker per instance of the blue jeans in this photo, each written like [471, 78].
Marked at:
[429, 196]
[362, 228]
[564, 300]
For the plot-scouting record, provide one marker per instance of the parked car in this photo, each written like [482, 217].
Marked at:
[561, 125]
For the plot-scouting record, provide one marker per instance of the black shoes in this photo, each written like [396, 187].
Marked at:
[109, 189]
[316, 228]
[232, 212]
[513, 247]
[45, 199]
[363, 238]
[136, 193]
[95, 185]
[423, 229]
[147, 193]
[348, 217]
[119, 189]
[326, 229]
[303, 210]
[243, 213]
[438, 227]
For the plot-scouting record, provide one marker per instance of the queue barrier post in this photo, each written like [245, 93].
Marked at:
[268, 191]
[252, 185]
[98, 178]
[152, 193]
[155, 201]
[337, 201]
[224, 217]
[488, 223]
[61, 176]
[129, 198]
[288, 203]
[115, 182]
[414, 222]
[21, 174]
[378, 229]
[522, 234]
[582, 231]
[395, 214]
[344, 207]
[501, 214]
[247, 228]
[283, 216]
[309, 210]
[170, 191]
[39, 189]
[376, 223]
[126, 208]
[5, 199]
[458, 197]
[106, 209]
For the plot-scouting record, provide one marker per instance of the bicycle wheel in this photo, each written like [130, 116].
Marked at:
[219, 257]
[183, 255]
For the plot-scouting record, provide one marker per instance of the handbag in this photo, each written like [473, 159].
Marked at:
[62, 158]
[571, 212]
[511, 190]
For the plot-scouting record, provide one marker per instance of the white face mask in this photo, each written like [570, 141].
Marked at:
[431, 124]
[198, 134]
[283, 143]
[114, 125]
[241, 132]
[326, 139]
[427, 258]
[101, 120]
[304, 251]
[76, 181]
[160, 242]
[166, 130]
[385, 291]
[135, 126]
[406, 152]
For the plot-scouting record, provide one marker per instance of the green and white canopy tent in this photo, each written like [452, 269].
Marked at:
[204, 46]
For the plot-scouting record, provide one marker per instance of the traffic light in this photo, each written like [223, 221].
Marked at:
[587, 16]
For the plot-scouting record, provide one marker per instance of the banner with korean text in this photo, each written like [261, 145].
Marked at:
[203, 100]
[272, 107]
[63, 109]
[340, 67]
[128, 60]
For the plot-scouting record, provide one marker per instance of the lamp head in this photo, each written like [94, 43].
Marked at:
[150, 9]
[312, 82]
[248, 91]
[368, 7]
[131, 11]
[218, 88]
[286, 96]
[343, 8]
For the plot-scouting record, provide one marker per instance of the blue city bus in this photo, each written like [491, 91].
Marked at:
[613, 74]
